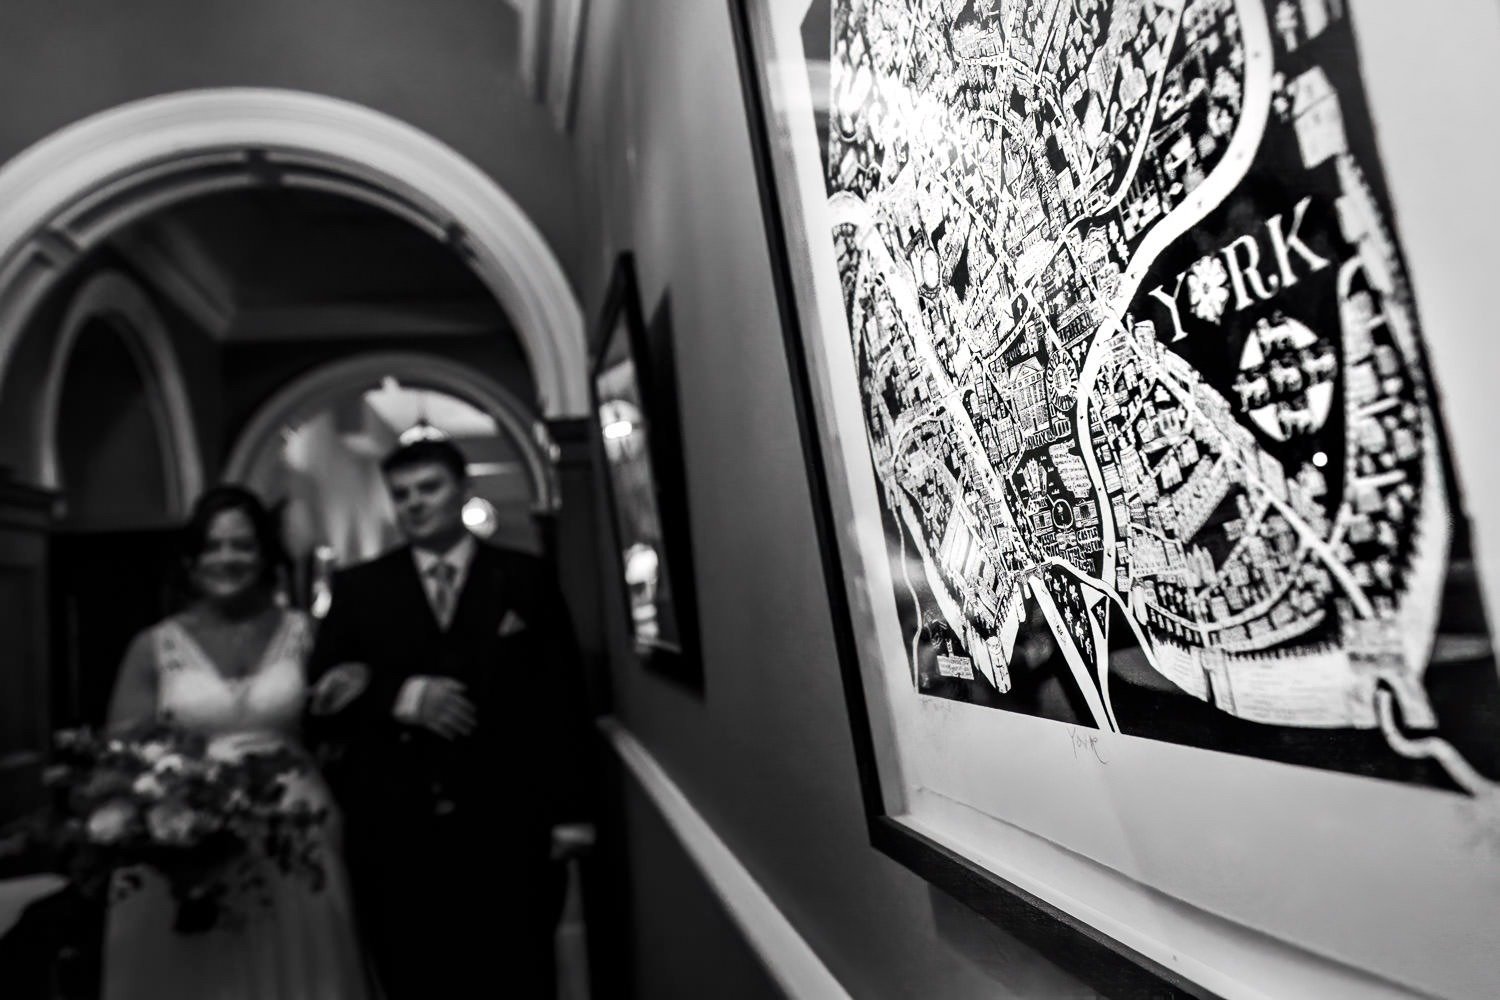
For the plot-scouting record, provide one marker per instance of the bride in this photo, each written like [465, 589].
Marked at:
[230, 666]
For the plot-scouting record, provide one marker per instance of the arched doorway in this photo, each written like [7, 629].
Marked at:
[116, 442]
[69, 192]
[114, 299]
[254, 453]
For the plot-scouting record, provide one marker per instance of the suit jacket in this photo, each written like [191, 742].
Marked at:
[511, 643]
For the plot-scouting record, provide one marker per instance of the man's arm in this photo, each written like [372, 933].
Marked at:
[337, 640]
[343, 688]
[349, 693]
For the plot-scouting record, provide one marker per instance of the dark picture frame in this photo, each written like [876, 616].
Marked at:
[1110, 966]
[1122, 842]
[639, 456]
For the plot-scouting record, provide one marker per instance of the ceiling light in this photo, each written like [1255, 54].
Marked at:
[618, 429]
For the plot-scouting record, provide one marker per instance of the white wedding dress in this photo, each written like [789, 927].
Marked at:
[289, 942]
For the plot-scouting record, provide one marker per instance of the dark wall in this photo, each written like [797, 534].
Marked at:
[766, 755]
[110, 457]
[674, 913]
[106, 587]
[452, 75]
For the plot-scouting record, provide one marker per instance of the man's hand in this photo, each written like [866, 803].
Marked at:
[337, 688]
[444, 707]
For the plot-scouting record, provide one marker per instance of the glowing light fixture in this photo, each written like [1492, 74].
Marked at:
[618, 429]
[294, 447]
[480, 517]
[423, 431]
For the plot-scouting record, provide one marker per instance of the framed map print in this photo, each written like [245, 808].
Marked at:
[1142, 415]
[646, 497]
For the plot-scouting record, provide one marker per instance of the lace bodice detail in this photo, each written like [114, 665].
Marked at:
[194, 694]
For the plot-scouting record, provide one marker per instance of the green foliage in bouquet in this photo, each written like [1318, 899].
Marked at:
[207, 819]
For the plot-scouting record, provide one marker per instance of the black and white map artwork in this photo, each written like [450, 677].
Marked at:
[1144, 381]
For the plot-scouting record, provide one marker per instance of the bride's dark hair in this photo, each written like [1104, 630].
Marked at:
[217, 500]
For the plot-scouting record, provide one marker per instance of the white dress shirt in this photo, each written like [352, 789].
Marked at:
[459, 557]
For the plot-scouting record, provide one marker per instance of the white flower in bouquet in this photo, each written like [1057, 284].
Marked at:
[230, 748]
[152, 751]
[224, 750]
[298, 793]
[108, 823]
[149, 786]
[172, 823]
[171, 763]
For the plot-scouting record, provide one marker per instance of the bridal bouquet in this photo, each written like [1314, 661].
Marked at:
[207, 816]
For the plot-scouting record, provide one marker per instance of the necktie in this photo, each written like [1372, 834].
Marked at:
[443, 575]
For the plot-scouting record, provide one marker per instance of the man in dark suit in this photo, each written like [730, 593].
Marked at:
[446, 676]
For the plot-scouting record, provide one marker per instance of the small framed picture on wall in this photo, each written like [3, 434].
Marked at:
[642, 471]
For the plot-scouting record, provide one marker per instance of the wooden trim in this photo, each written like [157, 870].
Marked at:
[787, 956]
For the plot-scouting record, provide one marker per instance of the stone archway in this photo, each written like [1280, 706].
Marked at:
[299, 398]
[72, 190]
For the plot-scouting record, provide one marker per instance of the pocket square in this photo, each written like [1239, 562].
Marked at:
[511, 624]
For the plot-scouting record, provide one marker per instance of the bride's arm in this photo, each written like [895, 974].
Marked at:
[134, 698]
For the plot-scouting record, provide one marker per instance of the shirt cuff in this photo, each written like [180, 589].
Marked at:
[409, 701]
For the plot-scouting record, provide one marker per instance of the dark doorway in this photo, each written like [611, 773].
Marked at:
[106, 587]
